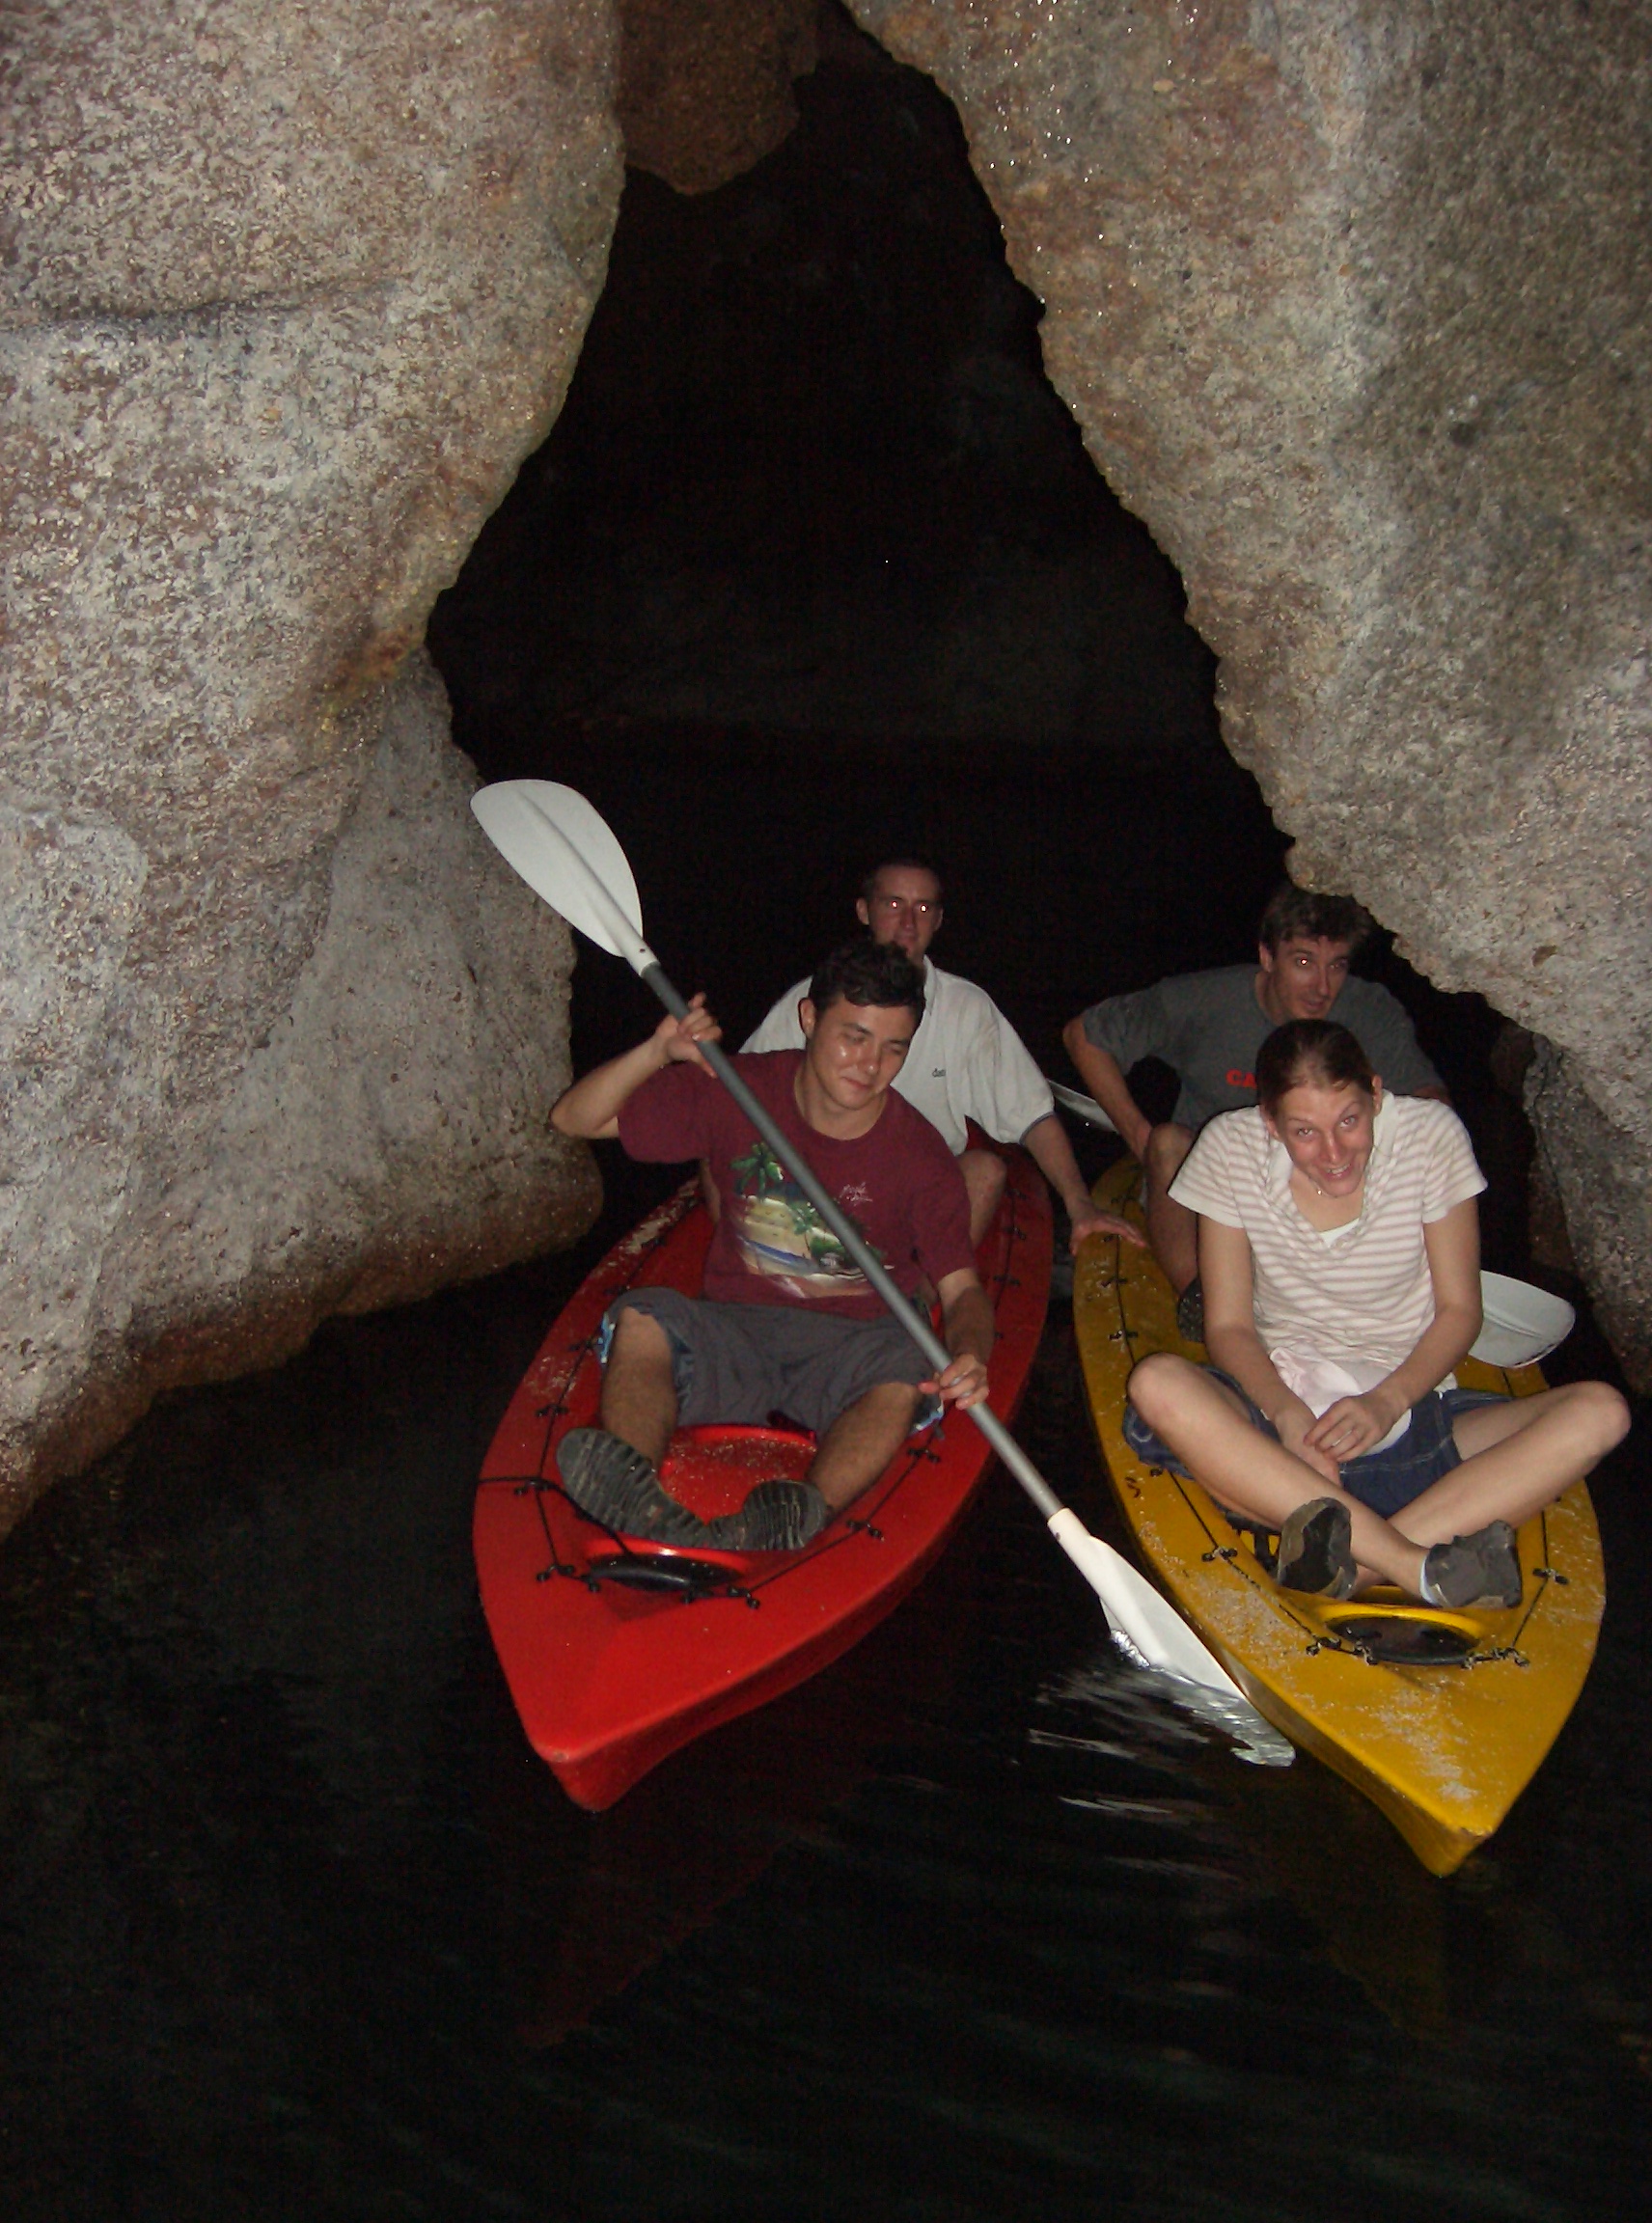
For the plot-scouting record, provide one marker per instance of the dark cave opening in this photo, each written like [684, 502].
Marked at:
[814, 568]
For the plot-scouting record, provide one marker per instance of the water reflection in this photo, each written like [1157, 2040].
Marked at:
[294, 1920]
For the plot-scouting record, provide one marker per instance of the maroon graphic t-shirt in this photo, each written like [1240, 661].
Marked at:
[898, 1182]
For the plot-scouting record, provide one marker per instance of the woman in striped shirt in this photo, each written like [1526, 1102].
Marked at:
[1339, 1255]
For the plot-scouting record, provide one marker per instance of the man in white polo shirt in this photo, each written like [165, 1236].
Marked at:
[966, 1060]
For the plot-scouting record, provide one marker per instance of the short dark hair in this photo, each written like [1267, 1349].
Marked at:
[1298, 914]
[868, 972]
[899, 864]
[1312, 1054]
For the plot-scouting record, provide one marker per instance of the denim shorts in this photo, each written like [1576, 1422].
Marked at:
[1383, 1480]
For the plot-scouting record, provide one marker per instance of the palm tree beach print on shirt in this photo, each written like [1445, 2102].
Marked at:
[782, 1236]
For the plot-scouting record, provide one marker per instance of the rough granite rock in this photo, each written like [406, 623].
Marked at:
[389, 1135]
[286, 295]
[705, 85]
[1351, 299]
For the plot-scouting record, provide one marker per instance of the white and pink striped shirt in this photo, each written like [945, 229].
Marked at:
[1364, 1291]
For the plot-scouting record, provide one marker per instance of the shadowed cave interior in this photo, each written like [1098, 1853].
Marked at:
[813, 568]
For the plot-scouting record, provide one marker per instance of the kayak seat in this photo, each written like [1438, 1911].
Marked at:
[712, 1468]
[927, 1416]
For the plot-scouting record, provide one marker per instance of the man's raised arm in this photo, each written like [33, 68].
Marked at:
[591, 1109]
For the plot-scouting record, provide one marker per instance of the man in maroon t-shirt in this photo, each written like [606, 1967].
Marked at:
[787, 1322]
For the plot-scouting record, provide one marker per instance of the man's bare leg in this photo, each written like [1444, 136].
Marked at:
[985, 1174]
[612, 1472]
[861, 1443]
[1173, 1230]
[639, 1398]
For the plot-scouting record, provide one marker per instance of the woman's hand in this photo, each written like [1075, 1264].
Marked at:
[1353, 1424]
[1294, 1424]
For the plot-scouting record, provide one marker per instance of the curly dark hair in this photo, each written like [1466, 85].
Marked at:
[868, 972]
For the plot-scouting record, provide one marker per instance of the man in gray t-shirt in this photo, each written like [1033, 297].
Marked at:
[1208, 1027]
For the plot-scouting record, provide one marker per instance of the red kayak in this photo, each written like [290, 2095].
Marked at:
[618, 1653]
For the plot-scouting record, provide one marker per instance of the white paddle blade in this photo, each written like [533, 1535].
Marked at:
[564, 850]
[1081, 1106]
[1520, 1324]
[1147, 1625]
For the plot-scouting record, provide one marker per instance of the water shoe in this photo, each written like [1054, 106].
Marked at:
[1316, 1551]
[616, 1485]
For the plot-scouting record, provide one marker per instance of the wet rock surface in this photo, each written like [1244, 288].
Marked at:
[705, 85]
[287, 297]
[1351, 304]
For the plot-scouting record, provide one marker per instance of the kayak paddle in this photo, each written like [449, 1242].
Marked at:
[1081, 1107]
[569, 855]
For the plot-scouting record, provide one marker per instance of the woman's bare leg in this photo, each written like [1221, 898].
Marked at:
[1517, 1458]
[1210, 1431]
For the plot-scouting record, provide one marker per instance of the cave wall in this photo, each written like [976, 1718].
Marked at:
[1351, 301]
[286, 295]
[705, 86]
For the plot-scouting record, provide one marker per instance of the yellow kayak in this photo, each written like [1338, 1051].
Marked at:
[1440, 1718]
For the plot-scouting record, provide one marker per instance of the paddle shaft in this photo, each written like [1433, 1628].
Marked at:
[652, 976]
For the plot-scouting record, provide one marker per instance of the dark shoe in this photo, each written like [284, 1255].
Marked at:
[777, 1517]
[1190, 1313]
[1478, 1570]
[616, 1485]
[1316, 1552]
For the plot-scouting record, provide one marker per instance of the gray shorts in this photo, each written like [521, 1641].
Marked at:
[747, 1363]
